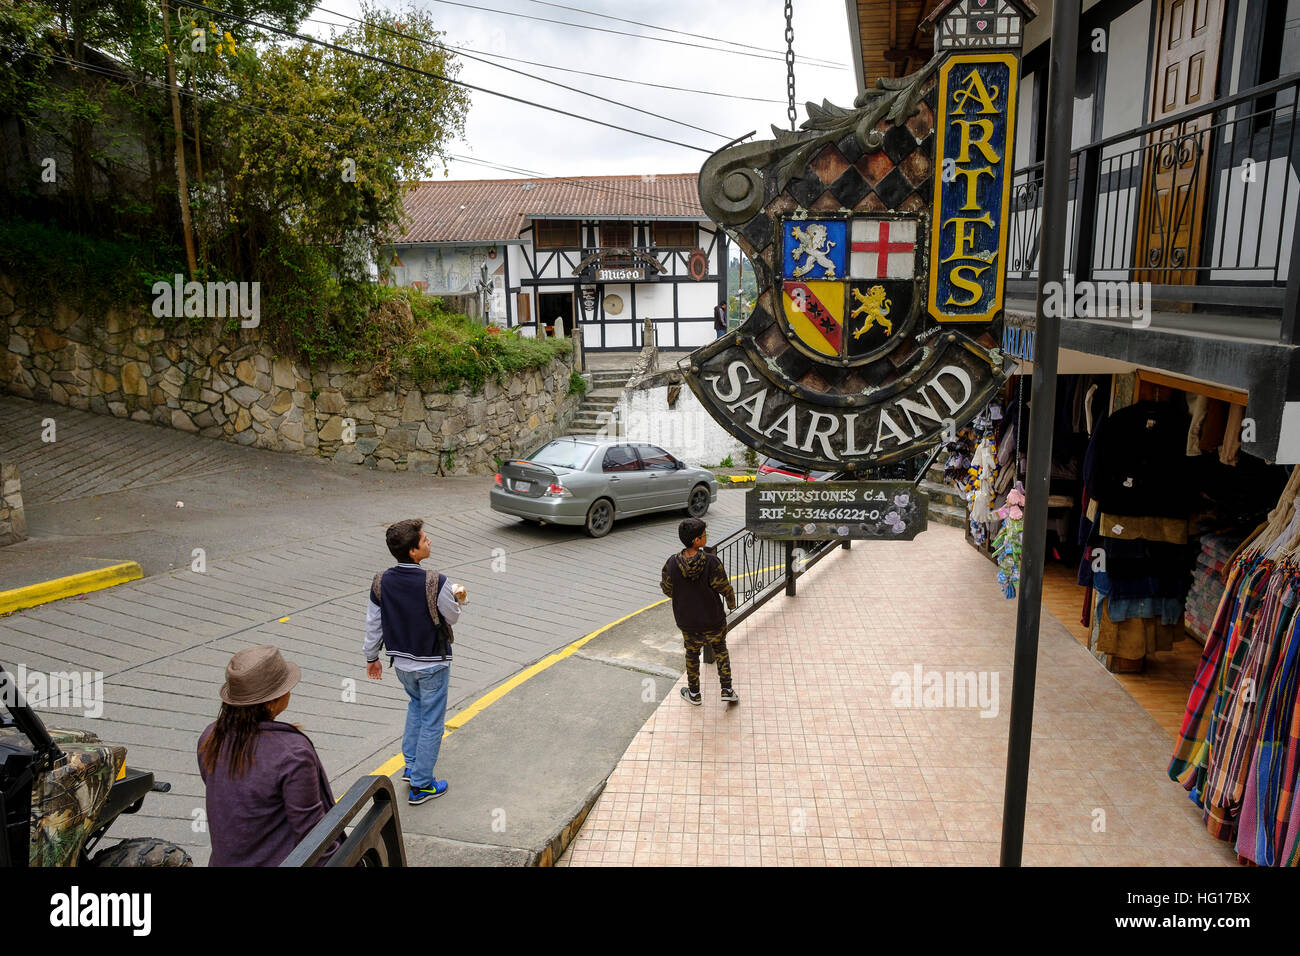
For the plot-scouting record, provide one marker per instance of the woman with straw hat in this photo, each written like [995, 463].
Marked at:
[266, 787]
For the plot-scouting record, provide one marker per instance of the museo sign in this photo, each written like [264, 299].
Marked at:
[878, 323]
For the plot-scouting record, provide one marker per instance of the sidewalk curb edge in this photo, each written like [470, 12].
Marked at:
[44, 592]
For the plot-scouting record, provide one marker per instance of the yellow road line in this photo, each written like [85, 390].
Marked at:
[393, 764]
[396, 763]
[74, 584]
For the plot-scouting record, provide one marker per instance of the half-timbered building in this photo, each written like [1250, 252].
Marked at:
[603, 253]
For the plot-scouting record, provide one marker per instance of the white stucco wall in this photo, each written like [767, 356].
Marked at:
[686, 430]
[453, 270]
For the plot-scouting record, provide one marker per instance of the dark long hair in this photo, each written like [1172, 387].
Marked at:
[237, 728]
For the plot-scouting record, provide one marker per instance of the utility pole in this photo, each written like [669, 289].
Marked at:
[1056, 176]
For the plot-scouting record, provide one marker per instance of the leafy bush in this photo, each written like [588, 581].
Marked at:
[89, 273]
[450, 350]
[577, 384]
[727, 463]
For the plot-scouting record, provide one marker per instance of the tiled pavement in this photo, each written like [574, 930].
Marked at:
[818, 765]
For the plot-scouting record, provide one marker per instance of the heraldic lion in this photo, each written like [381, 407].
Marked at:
[876, 307]
[815, 244]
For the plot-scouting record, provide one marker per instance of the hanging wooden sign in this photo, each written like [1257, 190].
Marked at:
[977, 107]
[831, 510]
[846, 361]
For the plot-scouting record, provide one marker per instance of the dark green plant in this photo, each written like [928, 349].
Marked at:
[577, 384]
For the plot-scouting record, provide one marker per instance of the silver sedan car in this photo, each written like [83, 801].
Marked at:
[592, 481]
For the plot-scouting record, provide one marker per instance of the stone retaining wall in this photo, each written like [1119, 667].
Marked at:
[13, 525]
[231, 386]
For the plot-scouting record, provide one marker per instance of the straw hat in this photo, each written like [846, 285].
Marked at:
[258, 674]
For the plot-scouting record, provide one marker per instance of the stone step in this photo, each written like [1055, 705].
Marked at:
[941, 492]
[600, 401]
[609, 379]
[947, 514]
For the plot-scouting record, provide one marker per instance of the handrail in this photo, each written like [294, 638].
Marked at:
[375, 840]
[1254, 93]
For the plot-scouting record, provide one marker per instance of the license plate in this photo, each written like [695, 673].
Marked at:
[523, 486]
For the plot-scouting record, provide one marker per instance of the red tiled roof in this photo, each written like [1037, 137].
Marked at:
[483, 210]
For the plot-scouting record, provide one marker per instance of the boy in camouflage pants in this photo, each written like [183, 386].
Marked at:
[697, 582]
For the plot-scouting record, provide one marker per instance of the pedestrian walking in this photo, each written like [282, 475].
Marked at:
[265, 787]
[697, 582]
[410, 616]
[720, 319]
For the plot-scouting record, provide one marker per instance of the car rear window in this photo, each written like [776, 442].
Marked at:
[563, 454]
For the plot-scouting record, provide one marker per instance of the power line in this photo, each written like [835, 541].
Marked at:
[248, 107]
[599, 76]
[214, 12]
[624, 33]
[749, 46]
[621, 79]
[510, 69]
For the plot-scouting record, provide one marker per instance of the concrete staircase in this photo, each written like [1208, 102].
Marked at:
[946, 504]
[599, 402]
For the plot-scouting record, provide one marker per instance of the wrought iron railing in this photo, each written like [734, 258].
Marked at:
[1203, 205]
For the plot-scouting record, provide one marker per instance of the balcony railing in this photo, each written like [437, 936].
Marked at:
[1202, 205]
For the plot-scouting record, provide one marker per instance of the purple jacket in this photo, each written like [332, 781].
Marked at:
[258, 818]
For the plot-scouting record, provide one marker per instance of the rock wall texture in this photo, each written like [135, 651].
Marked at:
[13, 525]
[233, 387]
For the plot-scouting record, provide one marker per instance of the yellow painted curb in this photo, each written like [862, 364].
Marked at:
[737, 479]
[393, 764]
[70, 586]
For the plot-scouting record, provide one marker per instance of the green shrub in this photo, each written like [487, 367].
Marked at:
[85, 272]
[727, 463]
[577, 384]
[451, 350]
[310, 312]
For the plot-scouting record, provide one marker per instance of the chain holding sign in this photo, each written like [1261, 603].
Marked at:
[878, 323]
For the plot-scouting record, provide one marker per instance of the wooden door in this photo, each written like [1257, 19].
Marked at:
[1185, 70]
[523, 308]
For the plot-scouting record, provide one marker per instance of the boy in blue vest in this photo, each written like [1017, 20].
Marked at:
[697, 582]
[410, 615]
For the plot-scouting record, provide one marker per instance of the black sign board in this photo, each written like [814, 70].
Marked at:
[831, 510]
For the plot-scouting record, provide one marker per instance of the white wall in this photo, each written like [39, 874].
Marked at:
[686, 430]
[653, 300]
[453, 270]
[1268, 246]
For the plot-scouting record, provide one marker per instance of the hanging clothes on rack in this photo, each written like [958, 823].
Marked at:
[1238, 750]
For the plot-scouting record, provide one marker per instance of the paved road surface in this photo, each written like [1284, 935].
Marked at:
[290, 547]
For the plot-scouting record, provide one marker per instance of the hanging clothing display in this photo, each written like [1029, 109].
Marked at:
[1134, 531]
[1238, 749]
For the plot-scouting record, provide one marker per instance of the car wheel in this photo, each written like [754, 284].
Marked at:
[697, 505]
[600, 518]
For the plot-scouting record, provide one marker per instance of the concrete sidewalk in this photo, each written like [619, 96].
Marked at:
[523, 772]
[826, 762]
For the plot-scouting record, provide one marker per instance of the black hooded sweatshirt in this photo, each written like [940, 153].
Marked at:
[697, 586]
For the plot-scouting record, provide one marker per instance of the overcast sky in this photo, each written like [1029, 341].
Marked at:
[511, 134]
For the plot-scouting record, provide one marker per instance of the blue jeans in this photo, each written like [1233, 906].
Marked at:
[425, 713]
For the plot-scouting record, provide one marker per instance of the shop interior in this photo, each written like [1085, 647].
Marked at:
[1164, 538]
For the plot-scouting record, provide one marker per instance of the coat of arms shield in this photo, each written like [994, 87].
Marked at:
[850, 287]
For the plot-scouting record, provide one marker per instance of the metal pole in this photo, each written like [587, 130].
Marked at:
[789, 568]
[1056, 174]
